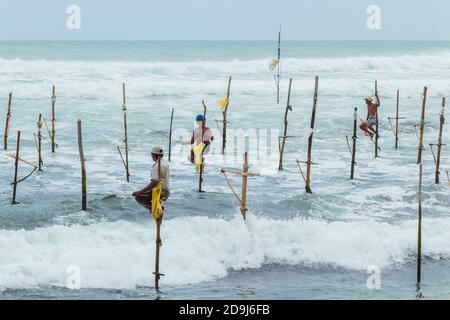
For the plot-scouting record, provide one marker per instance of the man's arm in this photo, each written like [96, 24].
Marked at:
[189, 142]
[208, 137]
[148, 188]
[378, 99]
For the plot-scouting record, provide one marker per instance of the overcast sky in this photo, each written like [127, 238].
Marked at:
[224, 20]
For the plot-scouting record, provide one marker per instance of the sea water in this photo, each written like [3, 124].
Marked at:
[294, 245]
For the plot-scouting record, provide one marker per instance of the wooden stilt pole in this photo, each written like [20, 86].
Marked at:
[16, 169]
[158, 244]
[396, 120]
[125, 125]
[279, 67]
[53, 119]
[355, 123]
[244, 187]
[283, 138]
[8, 118]
[419, 162]
[39, 125]
[422, 125]
[83, 168]
[310, 140]
[376, 125]
[200, 180]
[245, 174]
[225, 122]
[439, 145]
[419, 229]
[170, 135]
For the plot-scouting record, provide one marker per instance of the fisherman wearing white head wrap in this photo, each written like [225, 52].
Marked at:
[160, 171]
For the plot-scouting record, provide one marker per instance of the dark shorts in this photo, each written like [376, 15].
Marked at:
[146, 200]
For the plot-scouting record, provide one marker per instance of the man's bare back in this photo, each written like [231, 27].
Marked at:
[372, 116]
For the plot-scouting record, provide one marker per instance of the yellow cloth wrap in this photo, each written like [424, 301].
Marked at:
[223, 103]
[273, 64]
[157, 210]
[198, 153]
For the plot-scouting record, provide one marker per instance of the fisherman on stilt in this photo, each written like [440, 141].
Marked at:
[372, 109]
[160, 172]
[202, 136]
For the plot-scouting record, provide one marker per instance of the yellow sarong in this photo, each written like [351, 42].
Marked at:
[198, 153]
[157, 210]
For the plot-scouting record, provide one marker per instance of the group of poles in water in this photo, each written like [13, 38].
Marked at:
[153, 196]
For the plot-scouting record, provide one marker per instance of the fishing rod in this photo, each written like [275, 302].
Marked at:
[164, 135]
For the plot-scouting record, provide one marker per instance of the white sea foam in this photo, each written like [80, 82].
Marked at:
[340, 76]
[198, 249]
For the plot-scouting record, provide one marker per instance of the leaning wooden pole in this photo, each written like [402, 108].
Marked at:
[310, 139]
[39, 136]
[396, 119]
[200, 179]
[125, 125]
[8, 119]
[439, 144]
[16, 169]
[83, 168]
[225, 121]
[170, 134]
[283, 138]
[376, 125]
[53, 135]
[419, 161]
[354, 138]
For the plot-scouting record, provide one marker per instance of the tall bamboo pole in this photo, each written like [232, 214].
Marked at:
[53, 136]
[310, 140]
[419, 161]
[439, 145]
[288, 107]
[278, 66]
[396, 119]
[355, 123]
[244, 186]
[419, 229]
[158, 243]
[376, 125]
[83, 168]
[125, 125]
[422, 125]
[170, 134]
[225, 122]
[8, 118]
[200, 180]
[39, 125]
[16, 169]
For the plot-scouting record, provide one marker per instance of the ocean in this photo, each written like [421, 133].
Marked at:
[294, 245]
